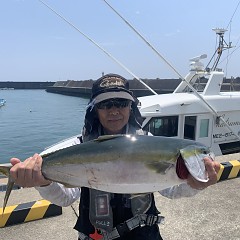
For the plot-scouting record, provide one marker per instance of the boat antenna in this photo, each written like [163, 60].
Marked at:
[236, 48]
[222, 45]
[96, 44]
[215, 113]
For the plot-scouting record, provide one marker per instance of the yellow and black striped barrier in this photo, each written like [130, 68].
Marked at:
[229, 170]
[27, 212]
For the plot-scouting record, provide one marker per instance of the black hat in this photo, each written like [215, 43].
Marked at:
[107, 87]
[111, 86]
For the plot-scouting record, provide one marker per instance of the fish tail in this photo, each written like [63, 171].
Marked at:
[5, 169]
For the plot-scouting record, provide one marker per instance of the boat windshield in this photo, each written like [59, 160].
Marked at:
[163, 126]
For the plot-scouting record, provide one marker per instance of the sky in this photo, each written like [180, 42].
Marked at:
[38, 45]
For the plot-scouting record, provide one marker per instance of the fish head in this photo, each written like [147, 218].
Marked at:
[190, 161]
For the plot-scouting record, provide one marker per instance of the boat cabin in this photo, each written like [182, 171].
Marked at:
[211, 116]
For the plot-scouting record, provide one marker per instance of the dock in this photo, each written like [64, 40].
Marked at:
[211, 214]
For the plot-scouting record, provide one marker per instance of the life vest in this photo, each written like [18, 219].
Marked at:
[101, 213]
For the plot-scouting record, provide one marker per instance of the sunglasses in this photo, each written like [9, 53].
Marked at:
[118, 103]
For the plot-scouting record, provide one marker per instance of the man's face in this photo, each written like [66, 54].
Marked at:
[114, 114]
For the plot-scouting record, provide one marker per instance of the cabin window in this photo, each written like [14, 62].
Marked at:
[190, 127]
[204, 125]
[163, 126]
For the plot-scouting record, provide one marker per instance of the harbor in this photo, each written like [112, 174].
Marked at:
[211, 214]
[203, 106]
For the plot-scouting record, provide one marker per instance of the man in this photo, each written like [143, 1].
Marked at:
[112, 110]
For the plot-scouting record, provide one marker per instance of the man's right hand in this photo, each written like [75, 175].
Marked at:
[28, 173]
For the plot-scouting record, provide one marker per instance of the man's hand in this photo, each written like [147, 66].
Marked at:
[212, 168]
[28, 173]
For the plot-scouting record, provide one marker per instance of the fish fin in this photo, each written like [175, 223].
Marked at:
[8, 192]
[108, 137]
[68, 185]
[132, 196]
[5, 169]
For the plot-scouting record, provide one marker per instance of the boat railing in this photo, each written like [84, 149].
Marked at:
[229, 84]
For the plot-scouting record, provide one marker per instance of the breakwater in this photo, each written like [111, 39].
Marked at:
[25, 85]
[161, 86]
[83, 88]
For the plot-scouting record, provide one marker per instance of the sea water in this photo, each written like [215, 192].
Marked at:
[34, 119]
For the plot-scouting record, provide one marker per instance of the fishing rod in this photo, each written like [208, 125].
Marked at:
[174, 69]
[229, 24]
[233, 15]
[97, 45]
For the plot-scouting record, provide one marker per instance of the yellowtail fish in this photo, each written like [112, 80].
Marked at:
[130, 164]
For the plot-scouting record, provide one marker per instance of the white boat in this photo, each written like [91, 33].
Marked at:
[196, 110]
[2, 102]
[210, 116]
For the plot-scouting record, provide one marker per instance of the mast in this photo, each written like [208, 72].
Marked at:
[222, 45]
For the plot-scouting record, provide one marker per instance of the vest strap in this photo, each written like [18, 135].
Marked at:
[120, 230]
[82, 236]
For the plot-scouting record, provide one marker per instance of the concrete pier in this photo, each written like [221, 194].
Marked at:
[83, 88]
